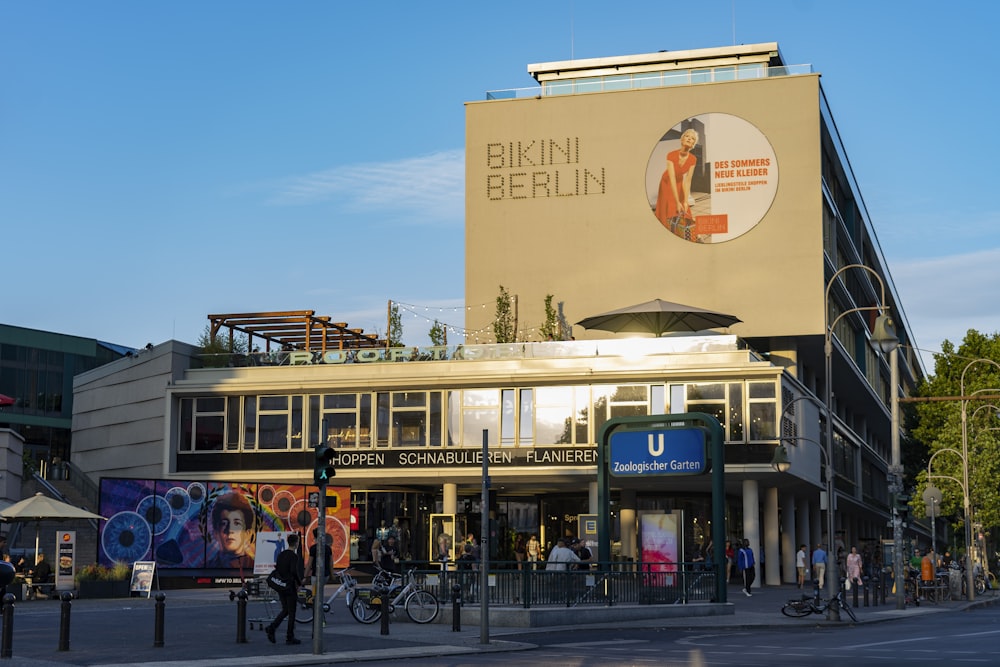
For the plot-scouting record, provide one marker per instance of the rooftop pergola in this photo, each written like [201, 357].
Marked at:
[294, 330]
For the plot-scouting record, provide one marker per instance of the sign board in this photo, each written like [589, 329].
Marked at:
[142, 577]
[651, 453]
[65, 564]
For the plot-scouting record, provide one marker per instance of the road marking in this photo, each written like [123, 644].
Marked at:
[612, 642]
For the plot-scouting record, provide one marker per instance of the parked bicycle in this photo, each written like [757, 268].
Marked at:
[817, 605]
[348, 587]
[403, 590]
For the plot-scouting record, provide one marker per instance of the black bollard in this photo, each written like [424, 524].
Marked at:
[384, 599]
[241, 617]
[66, 598]
[7, 641]
[456, 608]
[158, 622]
[854, 594]
[867, 586]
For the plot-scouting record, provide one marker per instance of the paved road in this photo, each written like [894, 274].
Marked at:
[201, 628]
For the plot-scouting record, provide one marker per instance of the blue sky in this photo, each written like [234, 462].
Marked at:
[160, 161]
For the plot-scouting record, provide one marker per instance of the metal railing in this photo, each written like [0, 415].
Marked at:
[605, 584]
[639, 81]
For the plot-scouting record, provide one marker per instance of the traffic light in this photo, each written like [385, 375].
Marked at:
[902, 505]
[324, 470]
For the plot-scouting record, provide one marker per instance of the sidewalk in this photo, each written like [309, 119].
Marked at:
[345, 640]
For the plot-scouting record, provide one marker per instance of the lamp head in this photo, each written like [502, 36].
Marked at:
[884, 334]
[780, 460]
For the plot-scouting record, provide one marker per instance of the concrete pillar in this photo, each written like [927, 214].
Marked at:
[449, 504]
[751, 522]
[788, 544]
[627, 521]
[772, 557]
[802, 535]
[816, 527]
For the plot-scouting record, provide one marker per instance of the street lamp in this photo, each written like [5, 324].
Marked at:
[883, 335]
[966, 501]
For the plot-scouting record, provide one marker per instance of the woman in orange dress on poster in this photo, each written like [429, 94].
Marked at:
[675, 184]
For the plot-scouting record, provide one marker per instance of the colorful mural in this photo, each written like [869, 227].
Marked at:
[214, 525]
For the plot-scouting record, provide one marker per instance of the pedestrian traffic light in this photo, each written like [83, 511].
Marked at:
[902, 505]
[324, 470]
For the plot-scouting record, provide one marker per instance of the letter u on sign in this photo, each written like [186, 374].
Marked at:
[656, 450]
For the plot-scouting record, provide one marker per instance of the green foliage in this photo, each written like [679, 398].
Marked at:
[938, 427]
[438, 334]
[215, 350]
[395, 326]
[120, 571]
[505, 324]
[550, 329]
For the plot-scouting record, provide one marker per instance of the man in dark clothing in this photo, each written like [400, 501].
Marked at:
[327, 557]
[745, 563]
[289, 568]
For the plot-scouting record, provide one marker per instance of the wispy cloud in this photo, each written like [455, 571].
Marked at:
[427, 188]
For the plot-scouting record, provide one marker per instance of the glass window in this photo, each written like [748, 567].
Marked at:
[233, 428]
[735, 411]
[508, 419]
[249, 422]
[527, 429]
[335, 401]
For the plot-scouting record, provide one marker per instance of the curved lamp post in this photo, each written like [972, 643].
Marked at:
[883, 335]
[966, 500]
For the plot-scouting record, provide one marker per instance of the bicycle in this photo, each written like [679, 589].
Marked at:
[420, 605]
[817, 605]
[306, 598]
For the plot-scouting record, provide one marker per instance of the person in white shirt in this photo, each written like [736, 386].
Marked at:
[800, 564]
[560, 556]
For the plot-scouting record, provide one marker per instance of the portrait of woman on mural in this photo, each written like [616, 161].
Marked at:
[233, 529]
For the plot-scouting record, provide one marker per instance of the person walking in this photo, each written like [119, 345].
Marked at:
[819, 559]
[289, 568]
[745, 564]
[854, 565]
[801, 564]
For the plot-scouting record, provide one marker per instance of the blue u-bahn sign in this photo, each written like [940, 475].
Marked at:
[676, 451]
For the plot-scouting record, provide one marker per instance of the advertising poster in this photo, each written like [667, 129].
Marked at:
[65, 564]
[142, 577]
[660, 543]
[711, 178]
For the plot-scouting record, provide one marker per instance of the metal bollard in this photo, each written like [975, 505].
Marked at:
[158, 621]
[66, 598]
[456, 608]
[241, 617]
[8, 626]
[867, 586]
[384, 599]
[854, 595]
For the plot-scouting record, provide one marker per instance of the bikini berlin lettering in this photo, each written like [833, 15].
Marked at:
[540, 168]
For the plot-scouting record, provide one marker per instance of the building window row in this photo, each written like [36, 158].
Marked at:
[511, 417]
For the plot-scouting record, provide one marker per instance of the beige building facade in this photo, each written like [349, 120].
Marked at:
[569, 193]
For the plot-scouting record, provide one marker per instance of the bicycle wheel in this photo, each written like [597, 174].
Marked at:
[980, 585]
[304, 614]
[421, 607]
[850, 612]
[796, 608]
[362, 610]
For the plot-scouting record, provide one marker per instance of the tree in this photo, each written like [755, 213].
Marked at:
[505, 324]
[216, 350]
[939, 428]
[438, 334]
[395, 333]
[550, 329]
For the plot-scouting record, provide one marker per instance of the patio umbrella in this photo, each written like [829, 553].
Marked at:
[40, 507]
[658, 317]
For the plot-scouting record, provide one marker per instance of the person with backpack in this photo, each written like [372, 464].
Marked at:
[745, 564]
[289, 568]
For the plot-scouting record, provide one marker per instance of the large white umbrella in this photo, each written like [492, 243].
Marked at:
[40, 507]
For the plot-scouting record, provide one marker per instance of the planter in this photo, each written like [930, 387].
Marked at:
[102, 589]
